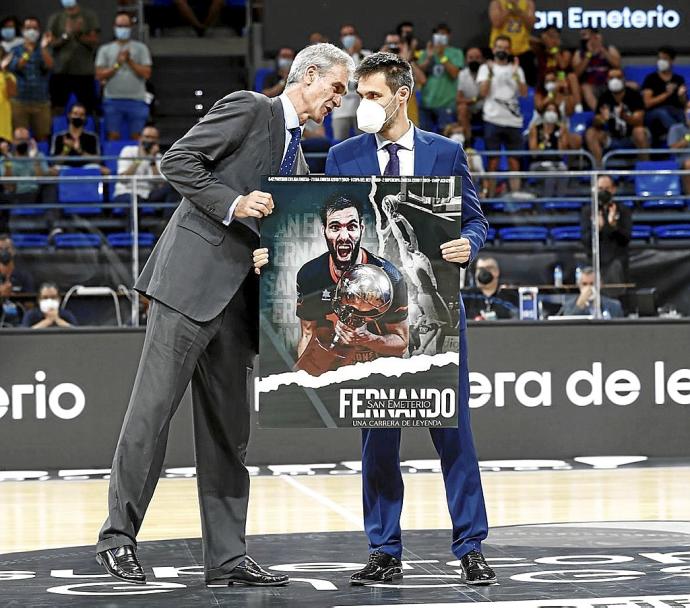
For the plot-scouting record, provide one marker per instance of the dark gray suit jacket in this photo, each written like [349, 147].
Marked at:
[199, 263]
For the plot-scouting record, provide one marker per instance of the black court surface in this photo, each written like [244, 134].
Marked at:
[578, 565]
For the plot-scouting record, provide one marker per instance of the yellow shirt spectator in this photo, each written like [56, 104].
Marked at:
[514, 19]
[8, 88]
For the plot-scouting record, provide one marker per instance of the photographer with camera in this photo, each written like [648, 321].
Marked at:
[142, 160]
[615, 229]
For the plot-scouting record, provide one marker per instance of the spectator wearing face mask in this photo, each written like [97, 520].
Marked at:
[26, 161]
[13, 278]
[31, 63]
[665, 94]
[555, 89]
[515, 19]
[619, 120]
[615, 230]
[9, 32]
[441, 63]
[583, 304]
[124, 66]
[550, 134]
[48, 313]
[274, 84]
[679, 139]
[488, 301]
[469, 103]
[75, 32]
[500, 83]
[143, 160]
[345, 117]
[592, 63]
[76, 142]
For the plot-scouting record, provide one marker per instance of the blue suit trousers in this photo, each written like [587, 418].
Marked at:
[383, 484]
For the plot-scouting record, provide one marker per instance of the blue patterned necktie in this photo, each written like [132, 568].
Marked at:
[393, 166]
[291, 154]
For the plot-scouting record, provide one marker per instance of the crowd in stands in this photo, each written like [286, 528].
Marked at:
[65, 90]
[524, 91]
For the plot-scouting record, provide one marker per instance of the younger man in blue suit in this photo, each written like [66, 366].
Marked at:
[391, 145]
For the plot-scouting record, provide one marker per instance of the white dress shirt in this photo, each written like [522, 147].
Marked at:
[291, 121]
[405, 153]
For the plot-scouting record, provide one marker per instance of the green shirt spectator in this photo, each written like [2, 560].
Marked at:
[441, 89]
[75, 38]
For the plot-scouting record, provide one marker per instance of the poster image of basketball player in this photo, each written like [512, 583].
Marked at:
[352, 304]
[429, 316]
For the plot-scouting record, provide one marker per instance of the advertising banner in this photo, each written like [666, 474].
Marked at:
[358, 309]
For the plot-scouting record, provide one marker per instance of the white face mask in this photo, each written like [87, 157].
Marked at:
[48, 305]
[550, 117]
[440, 39]
[550, 86]
[616, 85]
[371, 116]
[31, 34]
[663, 65]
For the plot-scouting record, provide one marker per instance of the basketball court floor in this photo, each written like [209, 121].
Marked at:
[592, 533]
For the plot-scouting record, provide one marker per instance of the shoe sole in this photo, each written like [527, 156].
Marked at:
[396, 578]
[120, 578]
[492, 581]
[231, 583]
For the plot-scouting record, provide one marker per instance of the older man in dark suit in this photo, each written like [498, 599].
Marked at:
[203, 320]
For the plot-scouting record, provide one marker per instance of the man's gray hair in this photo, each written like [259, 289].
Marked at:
[324, 57]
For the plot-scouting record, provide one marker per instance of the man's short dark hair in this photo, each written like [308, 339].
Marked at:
[339, 202]
[31, 18]
[668, 50]
[125, 13]
[398, 72]
[441, 26]
[403, 24]
[48, 285]
[552, 27]
[608, 177]
[506, 38]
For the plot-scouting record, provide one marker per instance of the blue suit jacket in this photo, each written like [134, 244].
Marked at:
[434, 155]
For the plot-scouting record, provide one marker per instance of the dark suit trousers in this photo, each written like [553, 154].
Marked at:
[383, 485]
[216, 357]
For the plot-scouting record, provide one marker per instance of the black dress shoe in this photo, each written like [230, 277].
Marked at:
[381, 568]
[250, 573]
[122, 563]
[475, 570]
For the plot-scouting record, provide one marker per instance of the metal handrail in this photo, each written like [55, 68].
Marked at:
[648, 151]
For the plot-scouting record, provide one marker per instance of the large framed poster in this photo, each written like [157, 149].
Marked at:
[358, 317]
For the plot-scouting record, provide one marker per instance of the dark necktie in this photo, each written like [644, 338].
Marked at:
[393, 166]
[292, 150]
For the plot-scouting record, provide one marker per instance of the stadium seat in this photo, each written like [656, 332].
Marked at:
[76, 240]
[507, 206]
[524, 233]
[566, 233]
[527, 108]
[580, 121]
[259, 78]
[126, 239]
[641, 232]
[672, 231]
[43, 147]
[26, 240]
[27, 211]
[563, 205]
[637, 73]
[491, 234]
[659, 184]
[77, 191]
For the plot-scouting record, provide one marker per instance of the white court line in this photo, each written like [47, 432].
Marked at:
[325, 501]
